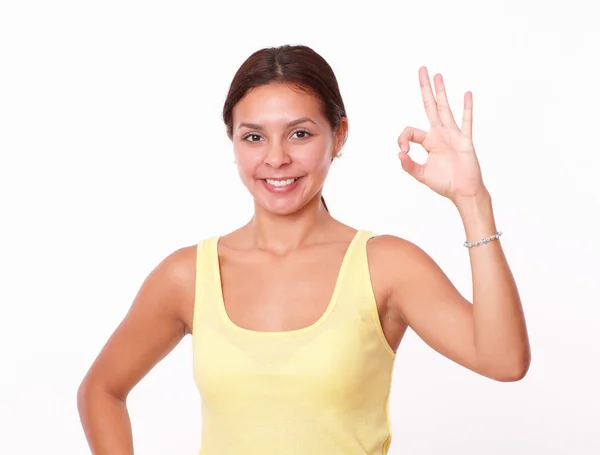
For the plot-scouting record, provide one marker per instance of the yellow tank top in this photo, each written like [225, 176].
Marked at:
[318, 390]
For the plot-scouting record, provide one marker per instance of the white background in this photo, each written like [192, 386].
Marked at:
[113, 154]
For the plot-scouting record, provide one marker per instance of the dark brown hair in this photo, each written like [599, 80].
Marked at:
[295, 65]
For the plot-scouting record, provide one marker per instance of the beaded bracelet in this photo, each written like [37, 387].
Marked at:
[482, 241]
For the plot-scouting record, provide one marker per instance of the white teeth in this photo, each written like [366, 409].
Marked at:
[280, 183]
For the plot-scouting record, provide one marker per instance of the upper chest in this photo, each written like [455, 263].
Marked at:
[265, 292]
[268, 293]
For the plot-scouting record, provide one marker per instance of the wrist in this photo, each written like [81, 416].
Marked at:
[477, 215]
[475, 204]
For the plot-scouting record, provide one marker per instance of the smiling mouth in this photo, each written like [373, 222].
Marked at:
[280, 183]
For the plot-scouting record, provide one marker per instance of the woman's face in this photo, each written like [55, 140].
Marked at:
[283, 146]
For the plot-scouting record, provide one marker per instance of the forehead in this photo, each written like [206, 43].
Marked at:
[277, 103]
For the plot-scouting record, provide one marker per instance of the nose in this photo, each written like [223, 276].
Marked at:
[277, 156]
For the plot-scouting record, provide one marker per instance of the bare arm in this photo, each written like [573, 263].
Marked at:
[153, 326]
[488, 336]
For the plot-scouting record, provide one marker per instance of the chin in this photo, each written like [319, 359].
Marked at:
[281, 207]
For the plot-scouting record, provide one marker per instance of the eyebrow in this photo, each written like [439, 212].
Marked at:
[255, 126]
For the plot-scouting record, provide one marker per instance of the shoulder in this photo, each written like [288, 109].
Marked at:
[389, 249]
[179, 267]
[169, 288]
[395, 261]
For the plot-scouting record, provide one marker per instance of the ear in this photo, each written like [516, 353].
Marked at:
[340, 136]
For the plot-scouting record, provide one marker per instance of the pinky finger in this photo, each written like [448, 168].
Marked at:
[467, 120]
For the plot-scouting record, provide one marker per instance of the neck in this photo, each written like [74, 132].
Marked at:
[282, 233]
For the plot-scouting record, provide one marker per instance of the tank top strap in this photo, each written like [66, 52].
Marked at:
[356, 299]
[205, 294]
[356, 268]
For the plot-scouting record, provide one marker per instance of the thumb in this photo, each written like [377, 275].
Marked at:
[409, 166]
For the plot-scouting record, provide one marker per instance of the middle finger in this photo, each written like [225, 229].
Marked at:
[428, 99]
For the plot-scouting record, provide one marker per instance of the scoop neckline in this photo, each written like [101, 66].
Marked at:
[328, 310]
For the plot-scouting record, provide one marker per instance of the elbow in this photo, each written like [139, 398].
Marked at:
[515, 372]
[89, 391]
[93, 389]
[503, 369]
[512, 375]
[83, 394]
[82, 404]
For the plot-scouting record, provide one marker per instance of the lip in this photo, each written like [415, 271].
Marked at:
[281, 190]
[279, 178]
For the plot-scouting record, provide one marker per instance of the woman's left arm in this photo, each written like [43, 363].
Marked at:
[489, 336]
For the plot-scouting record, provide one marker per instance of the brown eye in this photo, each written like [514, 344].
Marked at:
[254, 137]
[302, 134]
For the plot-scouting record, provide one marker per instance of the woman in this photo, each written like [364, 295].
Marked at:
[295, 316]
